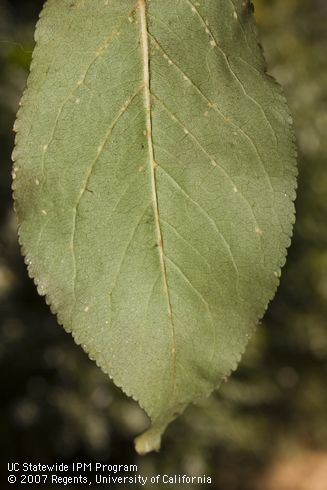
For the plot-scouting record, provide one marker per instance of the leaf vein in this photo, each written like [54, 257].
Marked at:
[197, 292]
[239, 82]
[192, 246]
[211, 220]
[216, 165]
[216, 109]
[83, 190]
[108, 43]
[148, 108]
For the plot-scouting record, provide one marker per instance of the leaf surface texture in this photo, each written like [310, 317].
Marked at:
[154, 181]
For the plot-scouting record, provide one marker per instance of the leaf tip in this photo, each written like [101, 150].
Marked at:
[149, 441]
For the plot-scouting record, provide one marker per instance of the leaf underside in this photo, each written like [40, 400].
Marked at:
[154, 181]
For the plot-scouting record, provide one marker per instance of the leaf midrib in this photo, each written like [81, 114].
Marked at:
[148, 109]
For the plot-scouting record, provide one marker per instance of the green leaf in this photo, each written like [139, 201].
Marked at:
[154, 181]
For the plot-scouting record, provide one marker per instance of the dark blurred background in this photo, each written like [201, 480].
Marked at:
[266, 429]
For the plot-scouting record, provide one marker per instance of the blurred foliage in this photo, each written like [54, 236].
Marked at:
[56, 404]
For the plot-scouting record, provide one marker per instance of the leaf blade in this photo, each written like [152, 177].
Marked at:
[155, 191]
